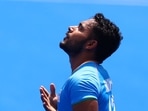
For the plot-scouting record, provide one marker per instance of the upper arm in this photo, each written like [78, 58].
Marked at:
[83, 89]
[87, 105]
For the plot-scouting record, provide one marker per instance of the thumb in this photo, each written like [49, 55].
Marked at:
[52, 90]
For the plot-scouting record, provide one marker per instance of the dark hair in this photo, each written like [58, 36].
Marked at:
[108, 36]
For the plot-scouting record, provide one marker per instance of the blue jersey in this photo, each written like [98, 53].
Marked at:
[89, 81]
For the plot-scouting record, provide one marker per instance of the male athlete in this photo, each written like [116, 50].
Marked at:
[89, 87]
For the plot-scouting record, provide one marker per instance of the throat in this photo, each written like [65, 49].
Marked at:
[76, 64]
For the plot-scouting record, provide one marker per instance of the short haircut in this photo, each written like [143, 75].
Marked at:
[108, 36]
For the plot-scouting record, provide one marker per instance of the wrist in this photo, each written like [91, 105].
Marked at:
[52, 109]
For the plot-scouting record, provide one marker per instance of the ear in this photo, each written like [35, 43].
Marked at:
[91, 44]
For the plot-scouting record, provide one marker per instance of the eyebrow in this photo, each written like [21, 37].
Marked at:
[88, 26]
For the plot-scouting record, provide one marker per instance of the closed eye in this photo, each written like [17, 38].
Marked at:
[80, 27]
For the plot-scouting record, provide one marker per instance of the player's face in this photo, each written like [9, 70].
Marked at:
[76, 37]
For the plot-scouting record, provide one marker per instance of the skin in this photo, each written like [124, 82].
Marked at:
[49, 100]
[80, 47]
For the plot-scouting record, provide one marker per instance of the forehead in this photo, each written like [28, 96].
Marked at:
[88, 23]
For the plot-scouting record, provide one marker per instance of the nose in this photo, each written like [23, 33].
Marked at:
[71, 28]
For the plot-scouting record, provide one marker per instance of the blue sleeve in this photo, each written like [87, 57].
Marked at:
[84, 87]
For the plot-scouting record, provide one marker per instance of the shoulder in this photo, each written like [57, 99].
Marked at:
[85, 75]
[85, 78]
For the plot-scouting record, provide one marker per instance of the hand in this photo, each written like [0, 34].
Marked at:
[49, 99]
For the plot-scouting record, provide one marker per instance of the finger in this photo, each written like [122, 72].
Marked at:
[43, 95]
[46, 106]
[52, 90]
[44, 91]
[43, 99]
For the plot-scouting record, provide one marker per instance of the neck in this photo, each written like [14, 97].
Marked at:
[78, 60]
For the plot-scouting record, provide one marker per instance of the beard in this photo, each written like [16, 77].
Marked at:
[72, 48]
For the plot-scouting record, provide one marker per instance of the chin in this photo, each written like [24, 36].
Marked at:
[61, 44]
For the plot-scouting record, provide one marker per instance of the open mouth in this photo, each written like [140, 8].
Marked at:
[66, 37]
